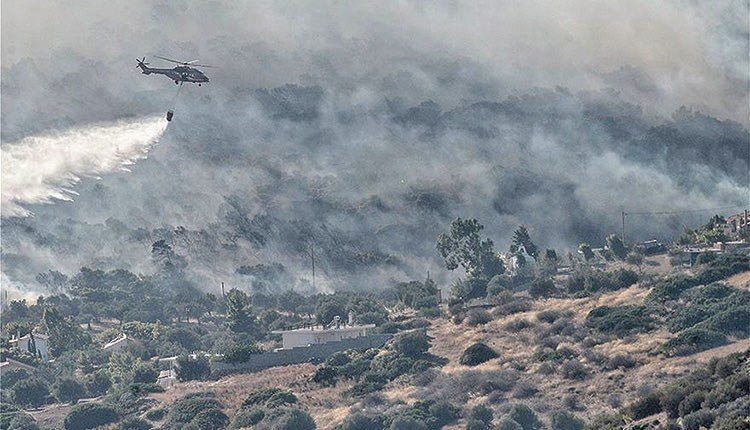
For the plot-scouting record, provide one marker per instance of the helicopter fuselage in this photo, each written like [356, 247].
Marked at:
[177, 74]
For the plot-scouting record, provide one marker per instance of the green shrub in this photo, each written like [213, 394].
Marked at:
[325, 376]
[210, 419]
[475, 424]
[693, 340]
[188, 407]
[189, 369]
[509, 424]
[145, 374]
[269, 398]
[691, 403]
[134, 424]
[30, 392]
[477, 317]
[412, 344]
[524, 416]
[12, 376]
[482, 413]
[620, 320]
[542, 288]
[359, 421]
[156, 414]
[67, 390]
[477, 354]
[90, 415]
[606, 422]
[289, 419]
[337, 359]
[407, 423]
[644, 407]
[20, 421]
[574, 369]
[697, 420]
[97, 383]
[566, 421]
[248, 418]
[241, 352]
[548, 316]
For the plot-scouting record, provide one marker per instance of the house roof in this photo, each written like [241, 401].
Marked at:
[10, 364]
[319, 329]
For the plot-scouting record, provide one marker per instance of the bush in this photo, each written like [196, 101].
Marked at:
[30, 392]
[565, 421]
[189, 369]
[325, 376]
[697, 420]
[525, 389]
[509, 424]
[358, 421]
[517, 325]
[290, 419]
[524, 416]
[620, 320]
[90, 415]
[269, 398]
[548, 316]
[621, 361]
[134, 424]
[210, 419]
[156, 414]
[443, 413]
[185, 409]
[476, 317]
[475, 424]
[97, 383]
[498, 284]
[145, 374]
[477, 354]
[241, 352]
[644, 407]
[12, 376]
[247, 418]
[691, 403]
[67, 390]
[19, 421]
[693, 340]
[574, 369]
[339, 358]
[541, 288]
[482, 413]
[412, 344]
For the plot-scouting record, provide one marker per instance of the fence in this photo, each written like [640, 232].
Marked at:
[306, 354]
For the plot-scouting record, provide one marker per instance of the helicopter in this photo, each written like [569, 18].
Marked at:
[180, 74]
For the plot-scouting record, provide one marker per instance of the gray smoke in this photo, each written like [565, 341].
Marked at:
[362, 130]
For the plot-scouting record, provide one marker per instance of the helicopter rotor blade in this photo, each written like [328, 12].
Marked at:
[169, 59]
[204, 65]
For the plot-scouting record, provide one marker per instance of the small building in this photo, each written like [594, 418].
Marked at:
[737, 226]
[120, 343]
[315, 335]
[35, 343]
[10, 364]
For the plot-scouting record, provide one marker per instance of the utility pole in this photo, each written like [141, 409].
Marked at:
[623, 227]
[312, 255]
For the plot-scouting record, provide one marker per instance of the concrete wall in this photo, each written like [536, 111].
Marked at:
[311, 354]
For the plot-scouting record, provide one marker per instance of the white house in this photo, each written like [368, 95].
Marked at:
[35, 343]
[120, 343]
[318, 334]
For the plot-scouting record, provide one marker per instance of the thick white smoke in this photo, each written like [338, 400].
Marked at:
[38, 169]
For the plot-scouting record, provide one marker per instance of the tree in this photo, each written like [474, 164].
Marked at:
[63, 334]
[192, 369]
[145, 374]
[67, 390]
[635, 259]
[614, 243]
[521, 238]
[30, 392]
[328, 307]
[53, 280]
[463, 246]
[241, 319]
[585, 249]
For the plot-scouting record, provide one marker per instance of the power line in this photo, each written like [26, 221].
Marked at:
[623, 213]
[683, 211]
